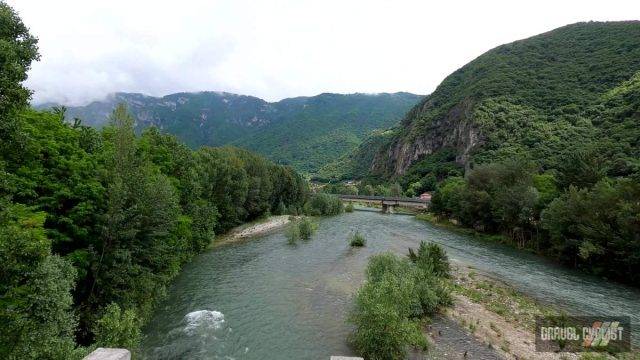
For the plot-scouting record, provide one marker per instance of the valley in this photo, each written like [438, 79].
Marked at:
[212, 225]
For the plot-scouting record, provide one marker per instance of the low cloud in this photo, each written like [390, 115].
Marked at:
[274, 49]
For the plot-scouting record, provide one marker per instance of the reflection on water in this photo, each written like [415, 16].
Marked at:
[266, 299]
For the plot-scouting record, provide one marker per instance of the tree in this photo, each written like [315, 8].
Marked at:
[395, 190]
[140, 247]
[35, 290]
[598, 228]
[368, 190]
[18, 49]
[117, 328]
[581, 168]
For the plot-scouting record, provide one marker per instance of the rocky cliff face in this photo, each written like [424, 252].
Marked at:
[455, 130]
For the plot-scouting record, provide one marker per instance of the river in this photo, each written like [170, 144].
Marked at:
[267, 299]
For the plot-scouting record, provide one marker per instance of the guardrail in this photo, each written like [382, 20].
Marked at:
[383, 198]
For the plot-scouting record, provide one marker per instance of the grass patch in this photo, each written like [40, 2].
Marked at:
[357, 240]
[502, 300]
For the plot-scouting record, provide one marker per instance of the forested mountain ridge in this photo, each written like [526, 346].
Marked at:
[305, 132]
[548, 82]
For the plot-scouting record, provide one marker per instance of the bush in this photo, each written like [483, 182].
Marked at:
[306, 228]
[431, 258]
[293, 233]
[357, 240]
[300, 229]
[383, 331]
[323, 204]
[348, 208]
[391, 303]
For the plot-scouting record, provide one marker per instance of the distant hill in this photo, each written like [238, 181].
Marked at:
[539, 98]
[305, 132]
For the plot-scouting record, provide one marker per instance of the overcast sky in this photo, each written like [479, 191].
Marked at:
[276, 49]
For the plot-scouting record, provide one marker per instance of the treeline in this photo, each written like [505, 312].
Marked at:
[95, 224]
[364, 188]
[575, 214]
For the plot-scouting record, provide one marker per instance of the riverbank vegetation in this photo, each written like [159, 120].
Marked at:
[95, 224]
[306, 228]
[302, 228]
[357, 240]
[591, 226]
[349, 207]
[398, 295]
[323, 204]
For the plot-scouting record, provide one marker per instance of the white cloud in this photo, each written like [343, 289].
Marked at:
[276, 49]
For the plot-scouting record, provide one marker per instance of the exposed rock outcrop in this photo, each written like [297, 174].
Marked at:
[455, 130]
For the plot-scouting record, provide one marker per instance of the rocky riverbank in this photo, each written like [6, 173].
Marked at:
[252, 229]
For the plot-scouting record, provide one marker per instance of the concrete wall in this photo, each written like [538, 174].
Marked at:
[109, 354]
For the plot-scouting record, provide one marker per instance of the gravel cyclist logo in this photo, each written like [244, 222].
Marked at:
[582, 333]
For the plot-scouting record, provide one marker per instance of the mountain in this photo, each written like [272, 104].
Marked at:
[536, 98]
[305, 132]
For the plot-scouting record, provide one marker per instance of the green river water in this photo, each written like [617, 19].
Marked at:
[266, 299]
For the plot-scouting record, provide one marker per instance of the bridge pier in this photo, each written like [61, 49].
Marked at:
[388, 209]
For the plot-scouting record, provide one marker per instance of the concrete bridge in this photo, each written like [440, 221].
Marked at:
[388, 203]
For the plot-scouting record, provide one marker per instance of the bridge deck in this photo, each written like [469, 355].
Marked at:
[385, 199]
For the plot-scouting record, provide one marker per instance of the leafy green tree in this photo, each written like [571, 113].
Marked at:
[18, 49]
[225, 184]
[581, 168]
[432, 258]
[35, 290]
[136, 255]
[597, 229]
[445, 202]
[396, 295]
[383, 329]
[118, 328]
[323, 204]
[368, 190]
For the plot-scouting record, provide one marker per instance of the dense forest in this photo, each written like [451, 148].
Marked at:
[537, 141]
[94, 224]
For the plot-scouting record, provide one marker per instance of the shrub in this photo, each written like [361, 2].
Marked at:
[323, 204]
[357, 240]
[431, 258]
[389, 306]
[383, 331]
[348, 207]
[293, 233]
[306, 228]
